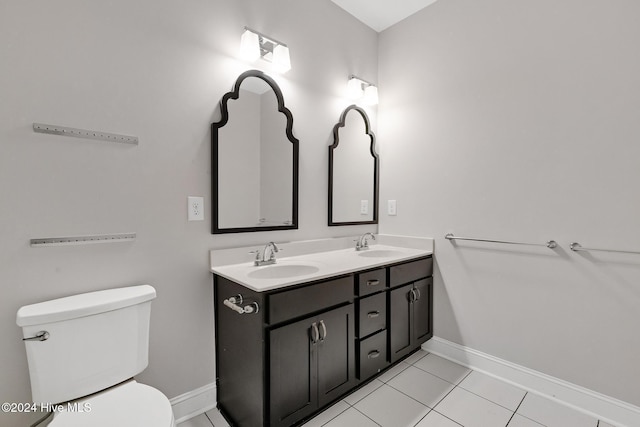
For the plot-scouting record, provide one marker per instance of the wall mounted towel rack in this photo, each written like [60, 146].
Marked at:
[84, 133]
[578, 247]
[84, 240]
[550, 244]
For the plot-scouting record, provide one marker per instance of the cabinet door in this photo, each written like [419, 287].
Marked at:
[422, 313]
[400, 322]
[293, 373]
[336, 353]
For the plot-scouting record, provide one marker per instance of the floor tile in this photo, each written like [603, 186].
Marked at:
[415, 357]
[390, 408]
[362, 392]
[471, 410]
[435, 419]
[493, 389]
[350, 418]
[216, 418]
[553, 414]
[387, 375]
[442, 368]
[199, 421]
[328, 414]
[422, 386]
[520, 421]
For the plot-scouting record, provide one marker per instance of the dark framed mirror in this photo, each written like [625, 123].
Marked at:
[353, 170]
[254, 158]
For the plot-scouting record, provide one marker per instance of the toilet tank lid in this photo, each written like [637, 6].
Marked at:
[82, 305]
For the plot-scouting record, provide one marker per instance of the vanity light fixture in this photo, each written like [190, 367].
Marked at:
[254, 45]
[358, 88]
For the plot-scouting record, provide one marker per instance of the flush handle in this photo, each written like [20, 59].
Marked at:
[373, 314]
[40, 336]
[373, 282]
[373, 354]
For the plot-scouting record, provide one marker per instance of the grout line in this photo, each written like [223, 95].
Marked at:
[451, 419]
[518, 407]
[372, 420]
[444, 397]
[443, 379]
[210, 421]
[489, 400]
[416, 400]
[340, 413]
[425, 415]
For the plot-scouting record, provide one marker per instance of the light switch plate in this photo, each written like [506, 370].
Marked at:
[195, 208]
[364, 207]
[391, 207]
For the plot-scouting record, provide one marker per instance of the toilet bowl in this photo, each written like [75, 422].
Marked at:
[83, 350]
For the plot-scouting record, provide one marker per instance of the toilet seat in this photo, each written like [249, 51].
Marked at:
[129, 404]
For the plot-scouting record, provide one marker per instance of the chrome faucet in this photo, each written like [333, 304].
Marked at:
[362, 243]
[269, 249]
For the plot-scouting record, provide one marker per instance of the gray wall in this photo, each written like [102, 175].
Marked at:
[520, 120]
[156, 70]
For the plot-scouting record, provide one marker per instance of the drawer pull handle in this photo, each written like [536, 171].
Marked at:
[373, 354]
[373, 314]
[323, 336]
[315, 334]
[373, 282]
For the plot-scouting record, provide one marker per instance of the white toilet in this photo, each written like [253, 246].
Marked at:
[83, 352]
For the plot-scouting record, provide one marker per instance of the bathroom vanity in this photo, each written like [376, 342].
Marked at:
[295, 336]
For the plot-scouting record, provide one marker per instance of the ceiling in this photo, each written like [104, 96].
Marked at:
[381, 14]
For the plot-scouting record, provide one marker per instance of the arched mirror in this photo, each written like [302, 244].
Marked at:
[353, 170]
[254, 159]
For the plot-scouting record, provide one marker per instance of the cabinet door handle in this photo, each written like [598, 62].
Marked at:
[373, 314]
[315, 335]
[417, 293]
[373, 354]
[373, 282]
[324, 331]
[412, 295]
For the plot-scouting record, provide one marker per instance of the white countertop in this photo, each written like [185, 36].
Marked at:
[315, 266]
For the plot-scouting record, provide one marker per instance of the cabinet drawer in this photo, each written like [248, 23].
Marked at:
[372, 315]
[410, 271]
[372, 281]
[373, 355]
[308, 299]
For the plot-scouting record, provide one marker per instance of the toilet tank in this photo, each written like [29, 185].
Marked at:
[96, 340]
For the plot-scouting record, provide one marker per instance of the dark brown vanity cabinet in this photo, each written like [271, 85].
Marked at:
[410, 307]
[278, 365]
[308, 345]
[311, 364]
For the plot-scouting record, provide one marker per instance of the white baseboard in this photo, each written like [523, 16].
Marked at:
[193, 403]
[587, 401]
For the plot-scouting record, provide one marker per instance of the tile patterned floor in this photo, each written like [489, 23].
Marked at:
[428, 391]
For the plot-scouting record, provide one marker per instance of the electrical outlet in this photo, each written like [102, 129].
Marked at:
[195, 208]
[364, 207]
[391, 207]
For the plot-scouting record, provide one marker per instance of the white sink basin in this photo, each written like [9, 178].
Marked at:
[379, 253]
[282, 271]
